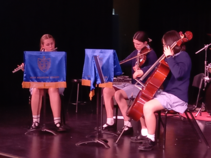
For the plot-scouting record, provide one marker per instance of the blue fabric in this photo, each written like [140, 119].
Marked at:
[44, 66]
[109, 65]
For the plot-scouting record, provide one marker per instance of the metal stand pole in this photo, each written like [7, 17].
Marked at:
[197, 100]
[205, 78]
[97, 139]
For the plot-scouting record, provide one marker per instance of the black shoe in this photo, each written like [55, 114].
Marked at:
[138, 139]
[109, 127]
[35, 126]
[127, 130]
[60, 128]
[147, 145]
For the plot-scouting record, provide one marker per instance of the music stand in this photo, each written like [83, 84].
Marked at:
[205, 79]
[44, 70]
[99, 129]
[98, 95]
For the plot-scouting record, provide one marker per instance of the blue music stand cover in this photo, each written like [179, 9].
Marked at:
[108, 61]
[44, 69]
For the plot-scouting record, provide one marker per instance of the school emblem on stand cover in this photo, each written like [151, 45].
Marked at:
[44, 63]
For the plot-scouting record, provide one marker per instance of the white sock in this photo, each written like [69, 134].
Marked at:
[57, 120]
[151, 136]
[127, 123]
[36, 118]
[109, 121]
[144, 132]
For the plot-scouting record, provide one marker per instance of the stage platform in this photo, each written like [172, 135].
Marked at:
[181, 141]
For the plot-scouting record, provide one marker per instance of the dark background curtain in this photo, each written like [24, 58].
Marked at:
[75, 25]
[158, 17]
[81, 24]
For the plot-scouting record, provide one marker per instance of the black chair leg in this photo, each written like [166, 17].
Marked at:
[158, 126]
[163, 123]
[192, 125]
[71, 93]
[164, 133]
[77, 98]
[63, 109]
[116, 114]
[196, 127]
[160, 122]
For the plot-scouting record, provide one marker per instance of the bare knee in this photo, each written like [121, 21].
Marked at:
[119, 95]
[53, 91]
[152, 106]
[108, 92]
[147, 108]
[37, 91]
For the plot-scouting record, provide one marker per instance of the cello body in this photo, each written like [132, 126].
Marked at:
[153, 83]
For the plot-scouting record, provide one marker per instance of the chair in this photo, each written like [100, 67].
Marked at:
[191, 121]
[77, 102]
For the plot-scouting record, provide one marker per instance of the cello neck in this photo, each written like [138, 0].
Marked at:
[152, 67]
[156, 63]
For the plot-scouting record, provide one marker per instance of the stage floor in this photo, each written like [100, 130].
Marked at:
[181, 141]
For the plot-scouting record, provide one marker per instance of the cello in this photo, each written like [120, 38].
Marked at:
[155, 81]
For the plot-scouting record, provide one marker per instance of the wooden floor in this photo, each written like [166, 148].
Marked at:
[181, 141]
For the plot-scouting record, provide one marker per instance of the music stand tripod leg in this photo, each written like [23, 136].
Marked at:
[97, 139]
[121, 134]
[197, 100]
[49, 131]
[104, 143]
[101, 131]
[111, 133]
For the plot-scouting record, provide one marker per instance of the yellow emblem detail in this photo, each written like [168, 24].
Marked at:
[44, 63]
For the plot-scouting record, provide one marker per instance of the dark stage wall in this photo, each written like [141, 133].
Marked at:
[158, 17]
[81, 24]
[75, 24]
